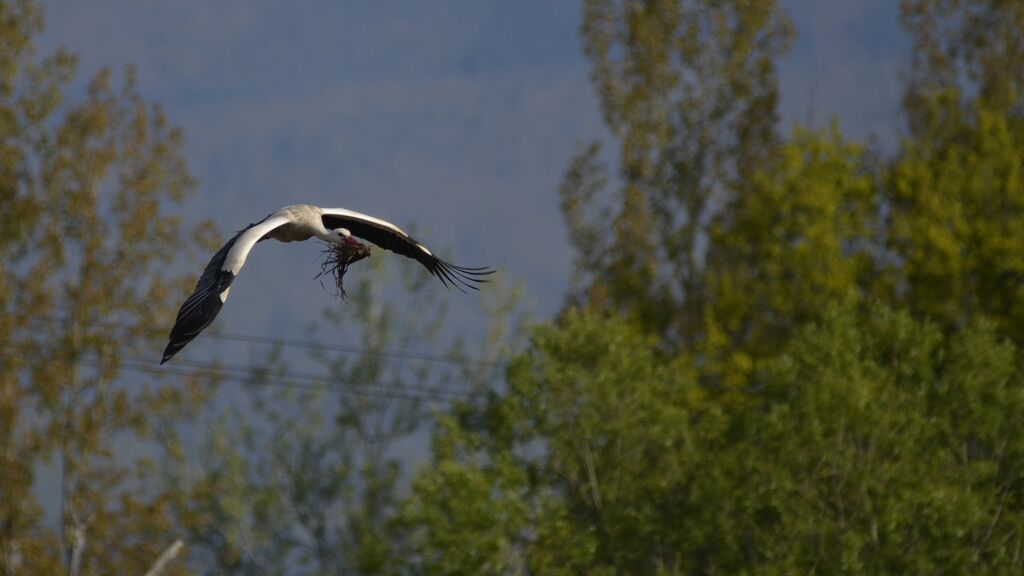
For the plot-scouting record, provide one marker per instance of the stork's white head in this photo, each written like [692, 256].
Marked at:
[342, 236]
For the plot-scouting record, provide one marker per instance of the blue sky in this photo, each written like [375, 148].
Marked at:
[457, 116]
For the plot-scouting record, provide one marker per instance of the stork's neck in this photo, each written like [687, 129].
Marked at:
[324, 234]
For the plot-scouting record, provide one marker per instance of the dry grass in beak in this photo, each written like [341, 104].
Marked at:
[338, 258]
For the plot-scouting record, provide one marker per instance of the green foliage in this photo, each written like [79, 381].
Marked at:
[559, 469]
[689, 90]
[878, 447]
[813, 362]
[955, 189]
[798, 240]
[867, 464]
[966, 52]
[957, 224]
[731, 254]
[465, 514]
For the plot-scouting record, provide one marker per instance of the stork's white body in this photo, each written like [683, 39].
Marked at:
[289, 224]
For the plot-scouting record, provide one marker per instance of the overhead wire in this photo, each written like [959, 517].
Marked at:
[243, 375]
[273, 341]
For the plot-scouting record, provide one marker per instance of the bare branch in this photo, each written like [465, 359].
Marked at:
[166, 557]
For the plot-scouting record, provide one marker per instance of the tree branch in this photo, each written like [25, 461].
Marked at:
[166, 557]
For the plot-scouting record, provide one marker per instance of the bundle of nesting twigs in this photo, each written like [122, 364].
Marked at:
[338, 258]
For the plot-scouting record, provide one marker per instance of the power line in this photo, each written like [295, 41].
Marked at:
[266, 340]
[365, 390]
[242, 375]
[450, 388]
[213, 375]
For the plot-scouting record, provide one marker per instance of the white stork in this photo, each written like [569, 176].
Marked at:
[335, 226]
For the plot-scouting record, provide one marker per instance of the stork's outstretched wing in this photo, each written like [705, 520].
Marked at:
[212, 288]
[391, 237]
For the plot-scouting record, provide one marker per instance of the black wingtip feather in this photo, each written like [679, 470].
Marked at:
[171, 349]
[445, 274]
[461, 276]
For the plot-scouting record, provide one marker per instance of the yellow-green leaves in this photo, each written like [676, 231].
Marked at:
[798, 239]
[957, 225]
[87, 191]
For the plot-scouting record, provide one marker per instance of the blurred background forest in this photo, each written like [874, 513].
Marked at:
[783, 351]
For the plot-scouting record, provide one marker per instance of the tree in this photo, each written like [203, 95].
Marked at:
[967, 54]
[87, 191]
[957, 223]
[872, 446]
[559, 475]
[955, 192]
[690, 237]
[871, 453]
[864, 310]
[689, 91]
[802, 237]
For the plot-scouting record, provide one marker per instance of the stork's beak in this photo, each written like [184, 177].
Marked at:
[352, 240]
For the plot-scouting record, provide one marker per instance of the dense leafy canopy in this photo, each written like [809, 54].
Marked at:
[869, 446]
[805, 359]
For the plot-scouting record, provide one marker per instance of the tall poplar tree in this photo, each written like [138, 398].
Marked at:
[689, 91]
[956, 190]
[87, 240]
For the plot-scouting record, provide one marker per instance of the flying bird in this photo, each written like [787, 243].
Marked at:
[337, 227]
